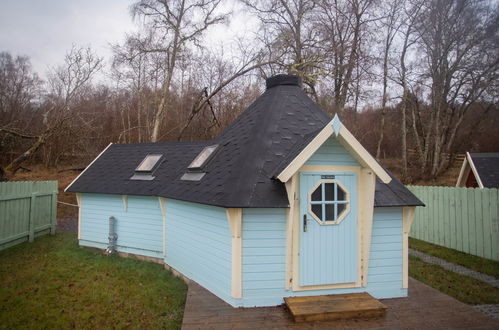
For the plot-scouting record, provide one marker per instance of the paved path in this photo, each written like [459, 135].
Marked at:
[425, 308]
[455, 268]
[490, 310]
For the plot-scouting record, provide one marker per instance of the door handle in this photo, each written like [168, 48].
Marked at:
[304, 223]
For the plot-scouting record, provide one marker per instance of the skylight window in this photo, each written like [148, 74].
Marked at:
[146, 167]
[149, 163]
[203, 157]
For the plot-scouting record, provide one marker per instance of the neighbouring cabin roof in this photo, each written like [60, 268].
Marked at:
[487, 166]
[241, 172]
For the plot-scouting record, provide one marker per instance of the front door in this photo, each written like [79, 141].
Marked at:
[328, 228]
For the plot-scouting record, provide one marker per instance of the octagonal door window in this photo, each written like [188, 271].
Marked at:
[329, 202]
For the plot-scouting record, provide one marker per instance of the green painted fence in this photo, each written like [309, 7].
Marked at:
[464, 219]
[27, 210]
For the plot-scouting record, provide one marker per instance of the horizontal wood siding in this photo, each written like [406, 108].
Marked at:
[139, 228]
[264, 252]
[264, 258]
[464, 219]
[27, 209]
[198, 244]
[332, 153]
[385, 261]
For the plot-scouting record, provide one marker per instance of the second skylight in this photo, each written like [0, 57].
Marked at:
[203, 157]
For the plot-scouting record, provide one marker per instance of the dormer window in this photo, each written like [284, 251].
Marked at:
[200, 161]
[146, 168]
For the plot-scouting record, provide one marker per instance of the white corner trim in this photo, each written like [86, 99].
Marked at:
[407, 218]
[86, 168]
[291, 212]
[463, 173]
[366, 210]
[162, 205]
[234, 217]
[347, 140]
[473, 168]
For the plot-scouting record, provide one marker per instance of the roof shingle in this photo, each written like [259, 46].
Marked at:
[262, 140]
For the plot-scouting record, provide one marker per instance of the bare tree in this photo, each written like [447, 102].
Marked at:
[67, 82]
[462, 64]
[411, 14]
[391, 24]
[343, 26]
[19, 87]
[224, 77]
[291, 37]
[172, 25]
[130, 68]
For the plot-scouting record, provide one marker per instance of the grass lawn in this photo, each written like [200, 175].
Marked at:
[52, 283]
[463, 288]
[481, 265]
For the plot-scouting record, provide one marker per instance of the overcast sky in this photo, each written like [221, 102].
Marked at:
[46, 30]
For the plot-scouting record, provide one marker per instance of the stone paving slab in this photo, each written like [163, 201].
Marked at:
[455, 268]
[490, 310]
[425, 308]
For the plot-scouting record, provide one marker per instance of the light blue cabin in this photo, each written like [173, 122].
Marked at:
[285, 202]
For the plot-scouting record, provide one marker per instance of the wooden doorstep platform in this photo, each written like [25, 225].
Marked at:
[334, 307]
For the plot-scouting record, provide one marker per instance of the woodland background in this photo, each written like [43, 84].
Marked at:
[415, 81]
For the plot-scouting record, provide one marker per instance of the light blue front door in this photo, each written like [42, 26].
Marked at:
[328, 228]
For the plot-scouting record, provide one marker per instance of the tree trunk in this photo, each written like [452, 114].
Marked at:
[15, 165]
[384, 97]
[403, 125]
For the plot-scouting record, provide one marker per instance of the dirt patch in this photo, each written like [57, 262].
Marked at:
[68, 225]
[39, 173]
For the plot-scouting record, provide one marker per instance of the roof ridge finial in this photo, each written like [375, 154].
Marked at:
[336, 124]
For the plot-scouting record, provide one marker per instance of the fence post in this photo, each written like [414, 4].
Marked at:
[53, 210]
[32, 217]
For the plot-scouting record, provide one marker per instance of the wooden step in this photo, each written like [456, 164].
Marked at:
[333, 307]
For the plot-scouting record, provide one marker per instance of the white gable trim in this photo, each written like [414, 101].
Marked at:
[347, 140]
[465, 170]
[86, 168]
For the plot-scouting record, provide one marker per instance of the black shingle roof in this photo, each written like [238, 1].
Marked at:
[262, 140]
[487, 166]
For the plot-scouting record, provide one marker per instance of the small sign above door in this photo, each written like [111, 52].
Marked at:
[327, 177]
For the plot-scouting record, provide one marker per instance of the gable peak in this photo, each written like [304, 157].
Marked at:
[336, 125]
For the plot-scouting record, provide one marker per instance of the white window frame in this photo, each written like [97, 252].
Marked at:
[341, 216]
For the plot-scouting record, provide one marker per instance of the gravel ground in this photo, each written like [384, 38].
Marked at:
[490, 310]
[455, 268]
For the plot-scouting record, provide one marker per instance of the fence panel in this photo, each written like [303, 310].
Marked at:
[27, 210]
[464, 219]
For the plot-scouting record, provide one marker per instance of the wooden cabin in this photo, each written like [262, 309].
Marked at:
[479, 170]
[284, 202]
